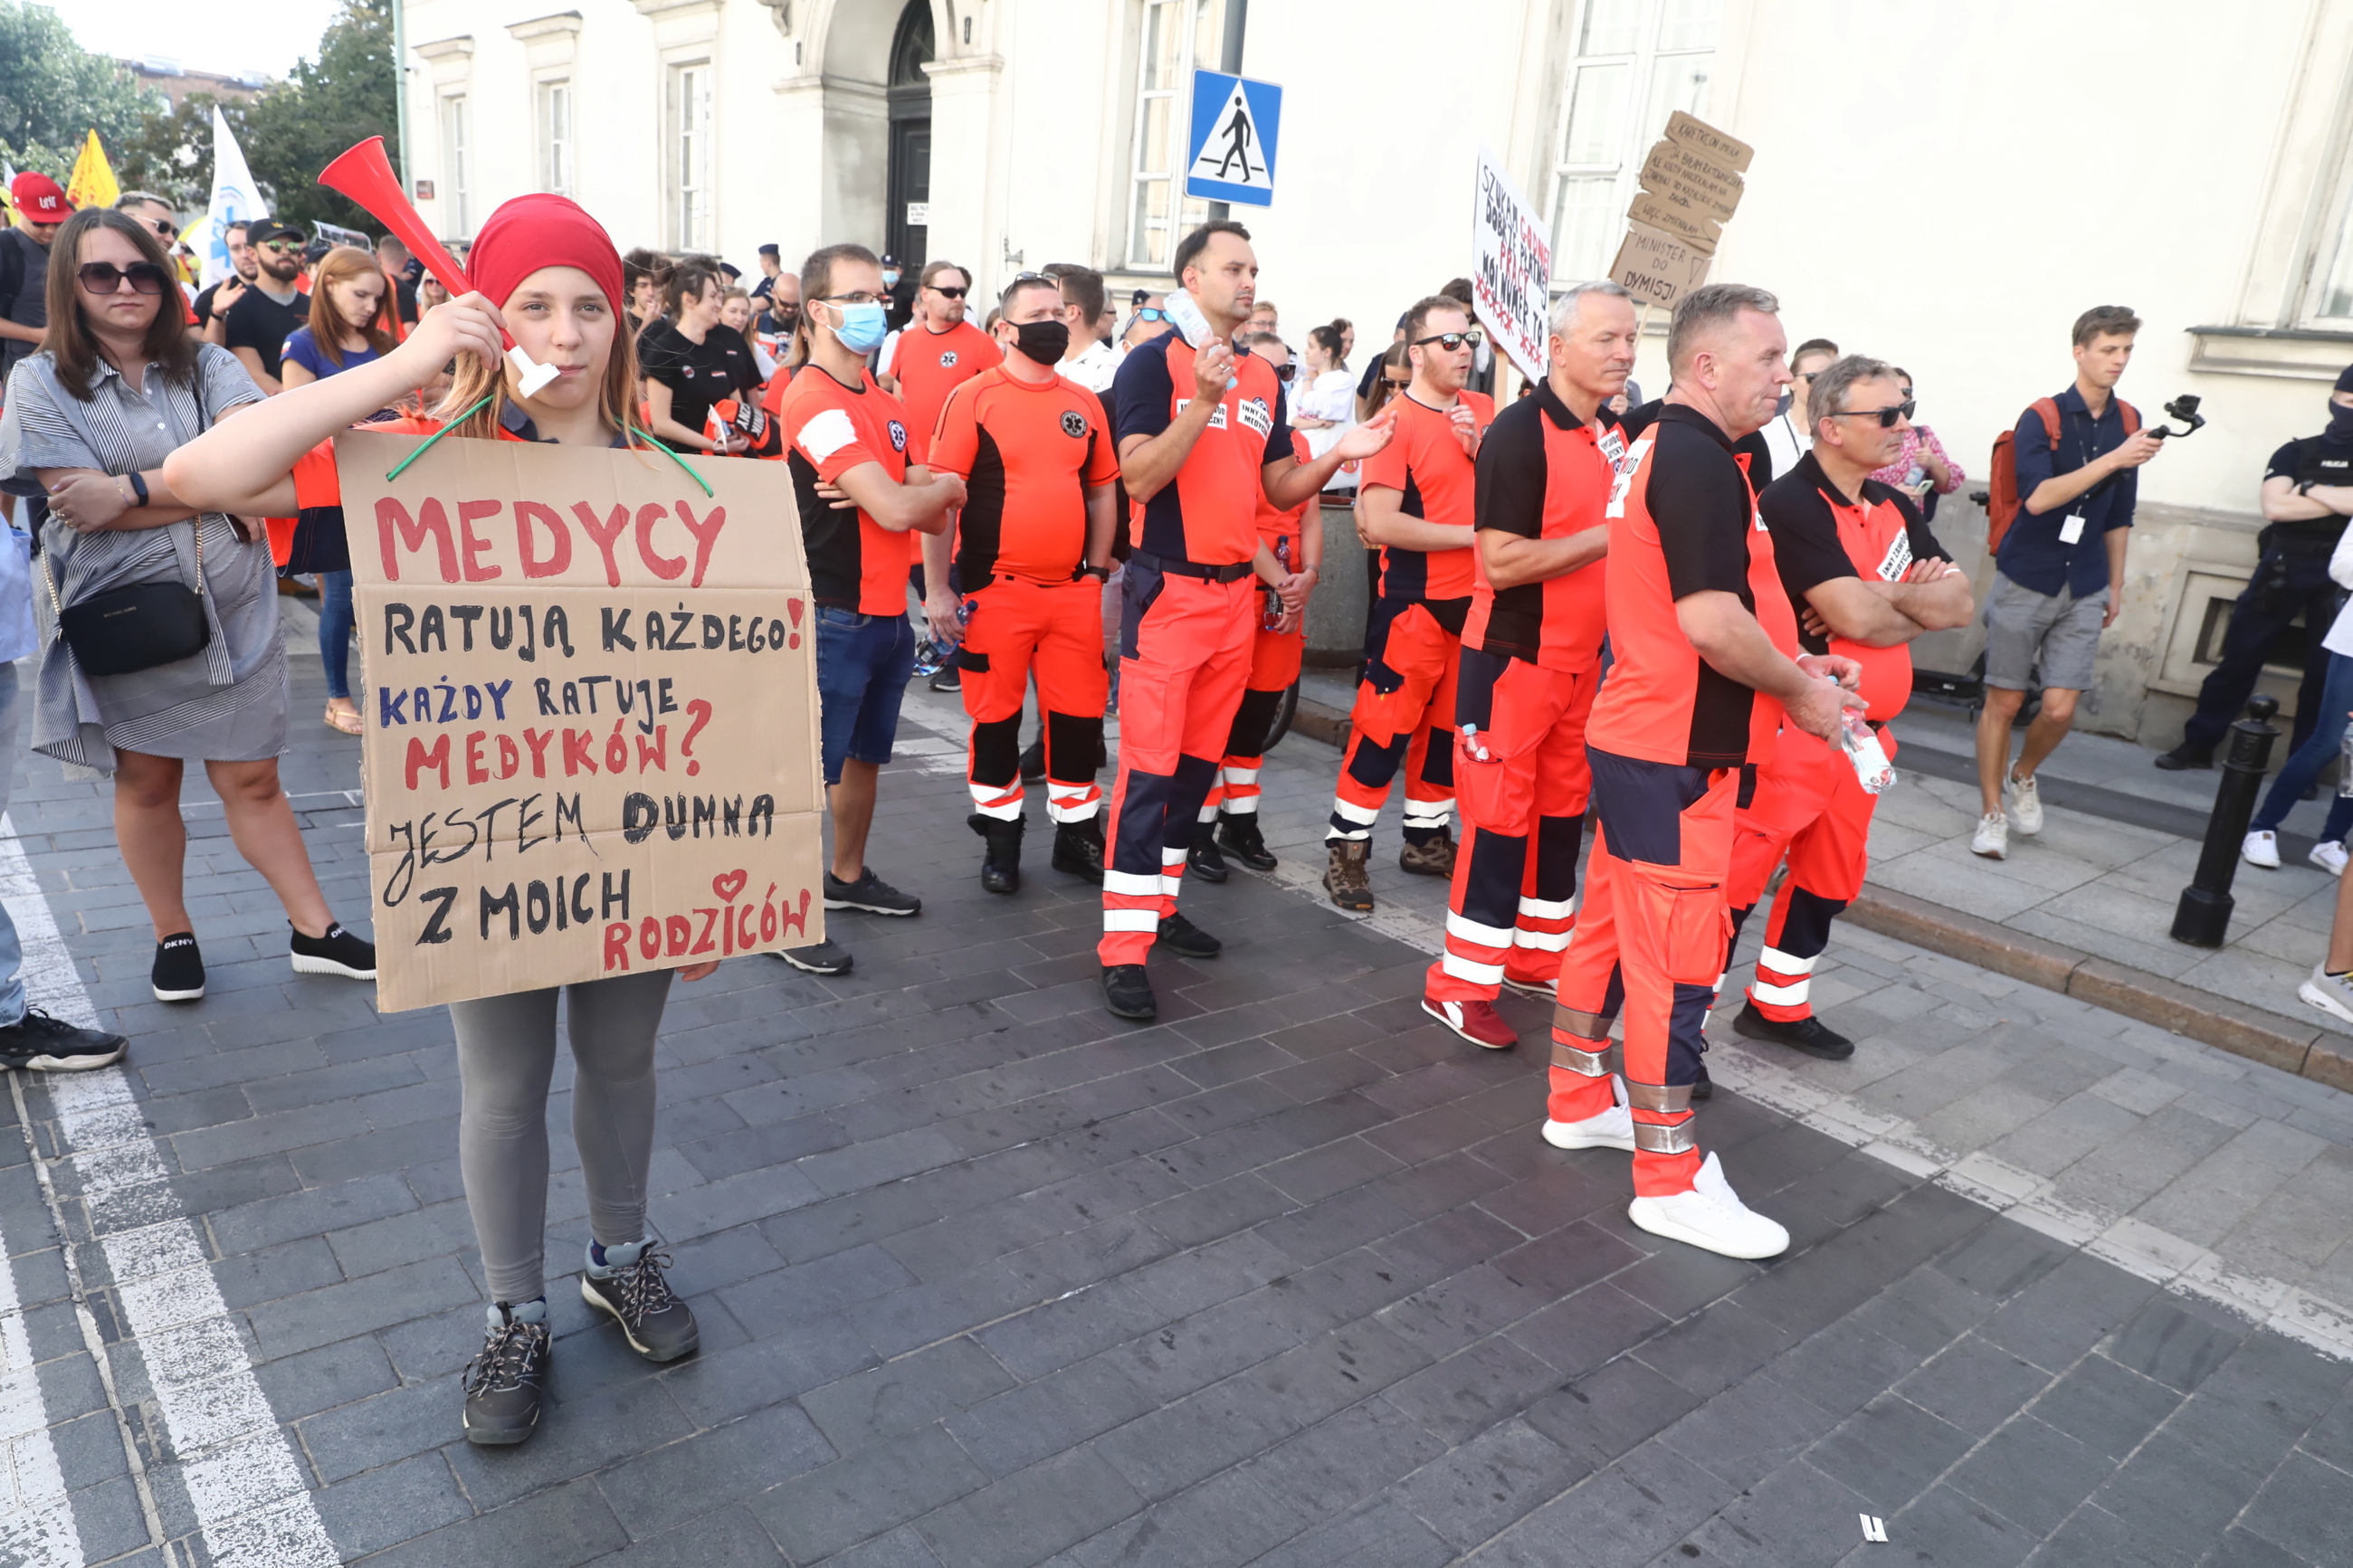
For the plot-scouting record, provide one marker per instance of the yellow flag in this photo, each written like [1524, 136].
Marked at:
[93, 183]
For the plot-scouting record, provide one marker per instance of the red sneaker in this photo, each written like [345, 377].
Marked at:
[1477, 1022]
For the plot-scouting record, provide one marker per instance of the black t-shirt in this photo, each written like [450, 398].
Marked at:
[2316, 460]
[260, 323]
[698, 374]
[1643, 416]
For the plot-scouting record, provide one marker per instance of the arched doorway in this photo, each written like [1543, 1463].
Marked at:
[910, 181]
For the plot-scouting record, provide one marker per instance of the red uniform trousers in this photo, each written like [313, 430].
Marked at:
[1511, 912]
[1651, 936]
[1275, 658]
[1185, 650]
[1404, 716]
[1809, 806]
[1055, 629]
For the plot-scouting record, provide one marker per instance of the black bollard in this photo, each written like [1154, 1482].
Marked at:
[2203, 916]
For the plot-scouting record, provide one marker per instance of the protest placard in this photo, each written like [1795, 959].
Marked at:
[1656, 267]
[1511, 266]
[592, 730]
[1727, 152]
[1691, 187]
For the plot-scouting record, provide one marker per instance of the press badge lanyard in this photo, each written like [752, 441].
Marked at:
[2070, 530]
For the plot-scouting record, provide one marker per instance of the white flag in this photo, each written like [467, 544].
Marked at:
[236, 199]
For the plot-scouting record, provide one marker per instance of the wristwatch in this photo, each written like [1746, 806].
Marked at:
[1100, 574]
[138, 485]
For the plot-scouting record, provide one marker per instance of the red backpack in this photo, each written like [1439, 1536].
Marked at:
[2003, 502]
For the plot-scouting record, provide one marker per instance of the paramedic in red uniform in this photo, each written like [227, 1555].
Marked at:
[1419, 506]
[1202, 439]
[859, 479]
[1031, 546]
[932, 355]
[1531, 660]
[1865, 577]
[1703, 639]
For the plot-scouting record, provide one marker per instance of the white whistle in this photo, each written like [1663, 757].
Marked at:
[534, 376]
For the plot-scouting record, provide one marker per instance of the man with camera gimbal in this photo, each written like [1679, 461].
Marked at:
[2307, 496]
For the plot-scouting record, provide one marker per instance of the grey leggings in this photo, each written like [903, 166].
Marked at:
[506, 1057]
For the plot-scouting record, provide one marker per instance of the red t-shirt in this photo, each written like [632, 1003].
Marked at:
[1208, 513]
[1273, 523]
[1027, 455]
[855, 563]
[1438, 483]
[1544, 473]
[928, 365]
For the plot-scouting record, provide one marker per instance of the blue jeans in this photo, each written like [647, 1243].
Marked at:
[863, 663]
[2328, 737]
[335, 630]
[12, 949]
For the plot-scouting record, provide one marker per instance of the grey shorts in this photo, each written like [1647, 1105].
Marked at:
[2024, 628]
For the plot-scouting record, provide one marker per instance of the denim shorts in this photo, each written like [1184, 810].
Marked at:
[863, 663]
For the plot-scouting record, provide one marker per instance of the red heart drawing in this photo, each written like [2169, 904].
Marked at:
[793, 608]
[727, 885]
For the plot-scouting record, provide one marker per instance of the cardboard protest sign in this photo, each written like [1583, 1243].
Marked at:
[592, 726]
[1692, 185]
[1511, 266]
[1684, 180]
[1657, 267]
[1727, 152]
[1696, 229]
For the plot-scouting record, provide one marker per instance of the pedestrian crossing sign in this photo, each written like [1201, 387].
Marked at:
[1235, 122]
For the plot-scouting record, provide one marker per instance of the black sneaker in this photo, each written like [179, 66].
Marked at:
[1079, 849]
[1705, 1089]
[1204, 860]
[869, 893]
[179, 971]
[1127, 991]
[1809, 1035]
[503, 1383]
[949, 677]
[2185, 755]
[827, 957]
[633, 1292]
[1239, 837]
[337, 952]
[42, 1044]
[1188, 940]
[1000, 863]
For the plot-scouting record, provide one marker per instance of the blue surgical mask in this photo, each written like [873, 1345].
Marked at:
[889, 279]
[863, 328]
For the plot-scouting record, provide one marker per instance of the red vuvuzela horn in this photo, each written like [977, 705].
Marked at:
[365, 174]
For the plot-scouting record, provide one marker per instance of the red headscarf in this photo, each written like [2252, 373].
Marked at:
[541, 230]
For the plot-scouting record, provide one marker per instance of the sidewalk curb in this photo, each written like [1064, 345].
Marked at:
[1318, 723]
[2289, 1044]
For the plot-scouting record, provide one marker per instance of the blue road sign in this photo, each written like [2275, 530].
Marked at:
[1235, 122]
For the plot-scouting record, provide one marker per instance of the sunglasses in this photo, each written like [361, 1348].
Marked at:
[282, 246]
[1886, 417]
[948, 293]
[105, 277]
[1283, 372]
[1152, 313]
[1449, 342]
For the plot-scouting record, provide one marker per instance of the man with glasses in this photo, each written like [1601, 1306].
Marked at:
[1865, 576]
[1419, 506]
[213, 300]
[930, 357]
[1788, 433]
[1201, 440]
[1149, 321]
[263, 316]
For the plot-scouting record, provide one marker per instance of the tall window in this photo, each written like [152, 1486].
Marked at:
[555, 137]
[690, 156]
[1178, 35]
[2332, 301]
[1637, 62]
[453, 164]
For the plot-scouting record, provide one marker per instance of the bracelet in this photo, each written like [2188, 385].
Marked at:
[138, 484]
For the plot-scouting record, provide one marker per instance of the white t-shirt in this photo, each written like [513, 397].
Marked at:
[1093, 368]
[1786, 443]
[2340, 568]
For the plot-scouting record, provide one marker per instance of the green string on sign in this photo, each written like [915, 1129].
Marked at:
[674, 457]
[428, 446]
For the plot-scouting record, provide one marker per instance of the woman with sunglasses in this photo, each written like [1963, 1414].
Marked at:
[348, 327]
[119, 383]
[692, 359]
[547, 274]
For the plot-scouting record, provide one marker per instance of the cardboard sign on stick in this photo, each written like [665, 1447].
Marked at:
[592, 724]
[1677, 176]
[1511, 266]
[1694, 229]
[1656, 267]
[1727, 152]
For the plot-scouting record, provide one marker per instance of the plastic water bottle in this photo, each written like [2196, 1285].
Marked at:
[1861, 743]
[1272, 618]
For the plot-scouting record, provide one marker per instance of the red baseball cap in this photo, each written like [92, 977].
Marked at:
[39, 199]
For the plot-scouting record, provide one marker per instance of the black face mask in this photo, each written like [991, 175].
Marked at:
[1046, 341]
[2340, 427]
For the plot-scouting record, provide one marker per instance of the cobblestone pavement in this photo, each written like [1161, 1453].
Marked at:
[990, 1279]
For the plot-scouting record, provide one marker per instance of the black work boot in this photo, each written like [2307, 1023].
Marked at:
[1078, 848]
[1239, 837]
[1000, 867]
[1809, 1034]
[1203, 859]
[502, 1384]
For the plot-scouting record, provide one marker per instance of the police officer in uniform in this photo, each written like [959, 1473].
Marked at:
[2308, 495]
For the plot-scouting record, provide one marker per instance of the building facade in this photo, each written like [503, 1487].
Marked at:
[1947, 187]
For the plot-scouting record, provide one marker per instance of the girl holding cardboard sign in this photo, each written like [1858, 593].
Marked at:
[547, 274]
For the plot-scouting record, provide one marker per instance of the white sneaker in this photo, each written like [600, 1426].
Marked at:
[1613, 1129]
[2025, 801]
[2329, 855]
[1711, 1216]
[1992, 838]
[2330, 993]
[2261, 849]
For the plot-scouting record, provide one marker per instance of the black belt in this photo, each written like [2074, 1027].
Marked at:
[1233, 573]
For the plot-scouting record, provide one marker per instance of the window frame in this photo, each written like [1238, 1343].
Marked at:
[1184, 211]
[558, 154]
[691, 217]
[455, 163]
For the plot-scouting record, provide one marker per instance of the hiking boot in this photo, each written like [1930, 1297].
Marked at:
[1239, 837]
[869, 893]
[1187, 940]
[1203, 859]
[827, 957]
[1711, 1216]
[1434, 857]
[502, 1384]
[1349, 878]
[2186, 755]
[337, 952]
[1809, 1035]
[39, 1042]
[1000, 867]
[1477, 1022]
[630, 1289]
[179, 971]
[1078, 848]
[1127, 991]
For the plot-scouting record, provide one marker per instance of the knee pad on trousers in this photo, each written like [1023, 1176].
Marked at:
[996, 751]
[1074, 746]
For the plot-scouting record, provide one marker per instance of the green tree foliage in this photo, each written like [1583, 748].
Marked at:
[172, 151]
[54, 92]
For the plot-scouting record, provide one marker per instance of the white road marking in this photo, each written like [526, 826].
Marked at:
[37, 1522]
[248, 1493]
